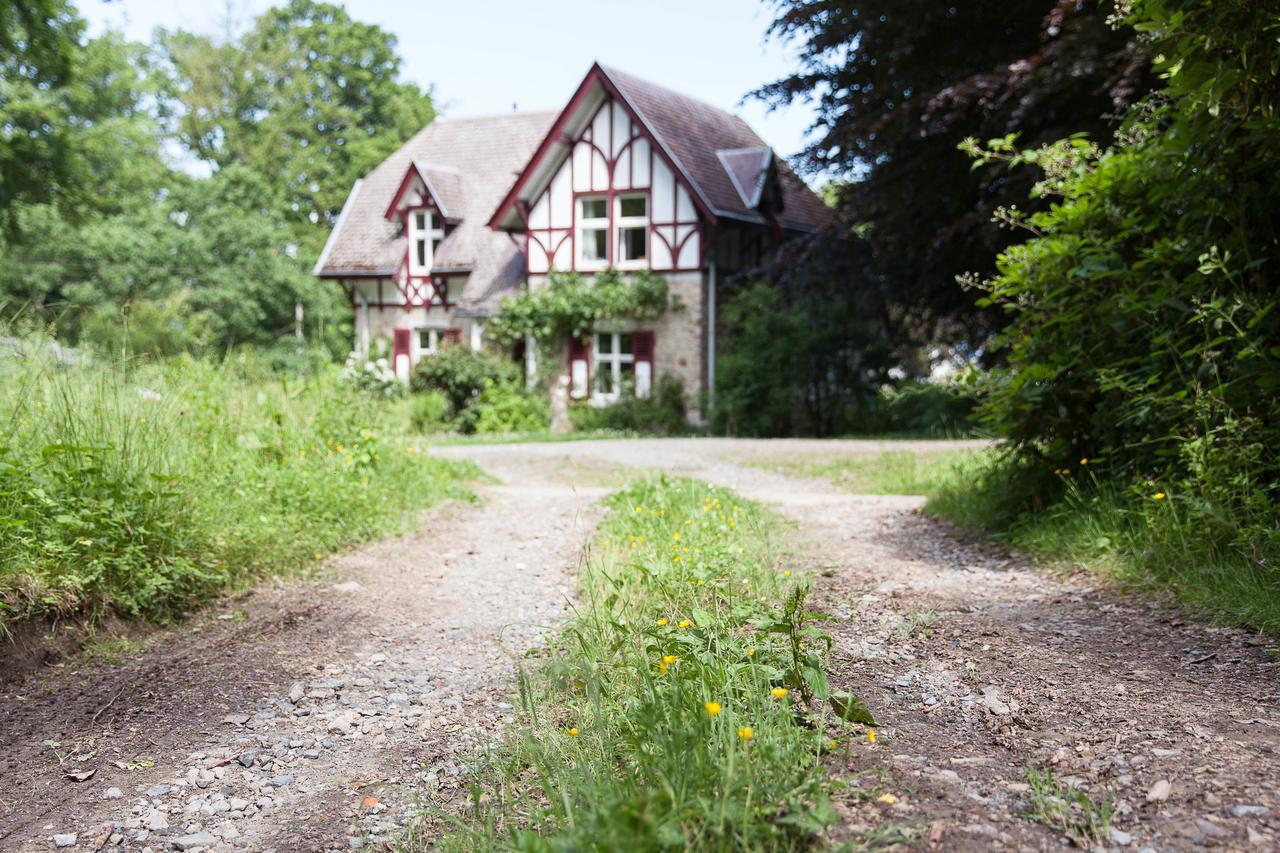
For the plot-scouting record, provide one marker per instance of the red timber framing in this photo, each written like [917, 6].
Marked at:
[424, 291]
[552, 238]
[416, 291]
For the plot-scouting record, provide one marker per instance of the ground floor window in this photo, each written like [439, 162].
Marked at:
[428, 341]
[614, 364]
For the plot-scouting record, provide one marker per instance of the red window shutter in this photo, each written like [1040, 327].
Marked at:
[642, 347]
[452, 337]
[579, 368]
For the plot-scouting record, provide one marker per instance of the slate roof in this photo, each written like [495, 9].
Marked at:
[694, 132]
[470, 163]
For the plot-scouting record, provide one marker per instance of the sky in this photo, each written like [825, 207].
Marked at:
[483, 57]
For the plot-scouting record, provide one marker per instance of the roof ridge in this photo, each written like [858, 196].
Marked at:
[489, 116]
[613, 69]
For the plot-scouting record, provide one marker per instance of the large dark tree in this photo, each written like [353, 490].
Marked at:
[899, 83]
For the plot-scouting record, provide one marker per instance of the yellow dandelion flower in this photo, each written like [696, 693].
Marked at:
[1159, 496]
[1084, 461]
[745, 733]
[675, 535]
[662, 622]
[786, 574]
[573, 732]
[780, 692]
[831, 744]
[670, 659]
[713, 708]
[871, 735]
[685, 623]
[751, 652]
[887, 799]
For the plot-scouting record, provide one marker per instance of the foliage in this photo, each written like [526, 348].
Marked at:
[570, 305]
[147, 488]
[796, 360]
[663, 413]
[504, 407]
[308, 94]
[375, 377]
[462, 374]
[897, 84]
[74, 126]
[1143, 314]
[924, 407]
[1144, 535]
[429, 412]
[684, 705]
[1069, 810]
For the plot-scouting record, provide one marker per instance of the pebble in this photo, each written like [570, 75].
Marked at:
[198, 839]
[1120, 837]
[112, 794]
[65, 839]
[1246, 811]
[155, 820]
[280, 781]
[159, 791]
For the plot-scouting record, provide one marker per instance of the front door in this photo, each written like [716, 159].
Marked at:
[400, 339]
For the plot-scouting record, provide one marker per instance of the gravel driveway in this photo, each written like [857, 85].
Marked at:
[313, 716]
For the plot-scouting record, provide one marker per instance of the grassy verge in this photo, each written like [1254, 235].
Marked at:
[894, 472]
[1146, 536]
[146, 489]
[679, 709]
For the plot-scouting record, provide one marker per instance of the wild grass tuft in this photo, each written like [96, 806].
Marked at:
[680, 709]
[1069, 810]
[146, 488]
[1147, 535]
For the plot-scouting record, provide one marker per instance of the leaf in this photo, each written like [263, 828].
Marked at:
[80, 775]
[851, 709]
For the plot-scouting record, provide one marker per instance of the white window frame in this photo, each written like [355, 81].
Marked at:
[612, 362]
[435, 336]
[595, 224]
[621, 222]
[429, 236]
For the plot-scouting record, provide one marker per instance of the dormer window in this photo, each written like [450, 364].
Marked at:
[426, 230]
[633, 230]
[593, 232]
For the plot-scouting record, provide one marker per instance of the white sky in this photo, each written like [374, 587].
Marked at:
[482, 56]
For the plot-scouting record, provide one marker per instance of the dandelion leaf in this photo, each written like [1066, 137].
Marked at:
[851, 709]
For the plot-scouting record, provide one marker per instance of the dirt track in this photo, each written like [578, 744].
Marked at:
[359, 697]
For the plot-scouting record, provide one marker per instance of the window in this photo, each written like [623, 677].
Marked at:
[593, 232]
[633, 230]
[428, 341]
[425, 233]
[614, 365]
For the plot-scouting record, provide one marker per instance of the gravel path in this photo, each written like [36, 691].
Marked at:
[316, 716]
[307, 716]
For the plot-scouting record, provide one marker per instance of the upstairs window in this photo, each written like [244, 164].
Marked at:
[426, 230]
[633, 230]
[593, 232]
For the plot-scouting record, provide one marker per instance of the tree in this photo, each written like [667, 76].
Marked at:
[75, 130]
[308, 96]
[899, 84]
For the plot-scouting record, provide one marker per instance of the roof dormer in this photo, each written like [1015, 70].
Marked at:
[426, 186]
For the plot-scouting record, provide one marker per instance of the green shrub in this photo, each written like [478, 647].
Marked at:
[462, 374]
[505, 407]
[429, 412]
[375, 377]
[923, 407]
[661, 414]
[147, 488]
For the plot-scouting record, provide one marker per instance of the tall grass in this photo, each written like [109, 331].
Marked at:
[147, 488]
[1147, 535]
[680, 709]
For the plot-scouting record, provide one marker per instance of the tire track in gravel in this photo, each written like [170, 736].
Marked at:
[310, 716]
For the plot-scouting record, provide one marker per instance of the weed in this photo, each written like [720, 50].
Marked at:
[917, 623]
[1068, 810]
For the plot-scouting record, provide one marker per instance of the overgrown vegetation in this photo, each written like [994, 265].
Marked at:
[663, 413]
[1143, 318]
[146, 488]
[468, 392]
[681, 707]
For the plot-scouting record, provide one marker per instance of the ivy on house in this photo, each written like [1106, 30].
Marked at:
[569, 306]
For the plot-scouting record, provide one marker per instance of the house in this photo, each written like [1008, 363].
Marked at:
[628, 175]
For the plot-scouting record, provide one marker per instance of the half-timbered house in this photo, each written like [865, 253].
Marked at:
[628, 175]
